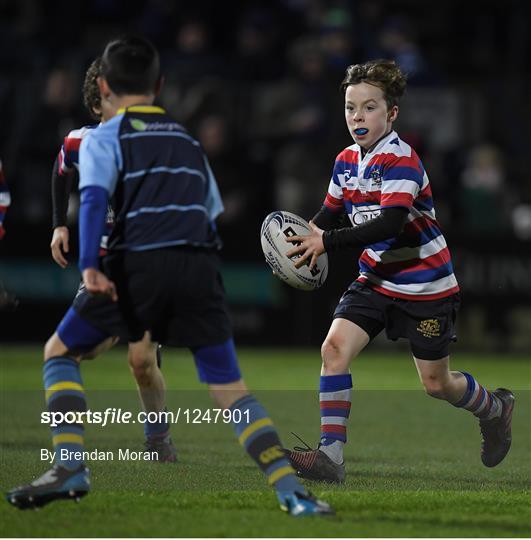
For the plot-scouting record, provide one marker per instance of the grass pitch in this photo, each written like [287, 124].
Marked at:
[413, 466]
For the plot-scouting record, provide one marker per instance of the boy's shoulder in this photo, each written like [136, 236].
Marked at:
[397, 151]
[104, 131]
[349, 154]
[79, 133]
[397, 147]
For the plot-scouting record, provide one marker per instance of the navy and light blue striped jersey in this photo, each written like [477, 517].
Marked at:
[164, 192]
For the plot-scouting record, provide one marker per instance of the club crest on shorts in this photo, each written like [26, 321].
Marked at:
[429, 328]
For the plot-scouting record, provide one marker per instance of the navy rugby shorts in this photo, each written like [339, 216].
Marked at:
[177, 293]
[428, 325]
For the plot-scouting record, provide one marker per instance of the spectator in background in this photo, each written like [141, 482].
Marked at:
[193, 69]
[58, 112]
[521, 219]
[337, 40]
[257, 48]
[243, 186]
[485, 202]
[293, 117]
[483, 197]
[397, 41]
[5, 200]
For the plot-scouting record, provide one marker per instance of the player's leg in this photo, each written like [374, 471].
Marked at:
[55, 347]
[144, 364]
[145, 282]
[345, 340]
[494, 409]
[65, 397]
[217, 366]
[358, 319]
[430, 327]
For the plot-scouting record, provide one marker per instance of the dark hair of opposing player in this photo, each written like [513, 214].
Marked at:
[91, 91]
[382, 73]
[130, 65]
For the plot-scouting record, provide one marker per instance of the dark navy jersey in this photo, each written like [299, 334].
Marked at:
[163, 190]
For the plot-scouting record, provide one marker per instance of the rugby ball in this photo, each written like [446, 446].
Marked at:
[276, 228]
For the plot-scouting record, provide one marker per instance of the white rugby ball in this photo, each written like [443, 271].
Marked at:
[278, 226]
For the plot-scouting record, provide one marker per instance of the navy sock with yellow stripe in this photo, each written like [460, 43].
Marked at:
[256, 433]
[64, 393]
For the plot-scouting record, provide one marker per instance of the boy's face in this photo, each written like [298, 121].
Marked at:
[366, 113]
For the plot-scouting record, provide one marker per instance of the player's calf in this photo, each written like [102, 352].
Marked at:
[495, 411]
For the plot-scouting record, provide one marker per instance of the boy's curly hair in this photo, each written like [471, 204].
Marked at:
[91, 92]
[382, 73]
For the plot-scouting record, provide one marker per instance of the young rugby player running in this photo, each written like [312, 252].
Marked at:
[161, 271]
[146, 370]
[406, 283]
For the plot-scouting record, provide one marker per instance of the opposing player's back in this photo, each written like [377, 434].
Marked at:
[164, 191]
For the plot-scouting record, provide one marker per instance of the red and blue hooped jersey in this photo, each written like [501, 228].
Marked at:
[415, 265]
[69, 153]
[69, 162]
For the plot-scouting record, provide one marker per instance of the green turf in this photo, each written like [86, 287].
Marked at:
[413, 462]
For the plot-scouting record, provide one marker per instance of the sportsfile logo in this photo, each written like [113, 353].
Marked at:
[113, 415]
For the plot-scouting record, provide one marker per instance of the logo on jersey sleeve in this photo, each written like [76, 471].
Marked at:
[344, 178]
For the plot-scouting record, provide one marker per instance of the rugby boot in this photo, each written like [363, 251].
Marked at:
[496, 432]
[57, 483]
[163, 446]
[299, 504]
[314, 464]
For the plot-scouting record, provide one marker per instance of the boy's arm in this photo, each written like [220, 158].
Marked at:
[388, 224]
[327, 219]
[61, 188]
[99, 163]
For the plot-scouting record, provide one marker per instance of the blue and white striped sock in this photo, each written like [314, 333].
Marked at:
[334, 401]
[478, 400]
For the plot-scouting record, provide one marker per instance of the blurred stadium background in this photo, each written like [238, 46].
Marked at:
[257, 84]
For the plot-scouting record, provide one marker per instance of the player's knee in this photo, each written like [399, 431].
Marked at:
[334, 354]
[54, 347]
[141, 364]
[435, 387]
